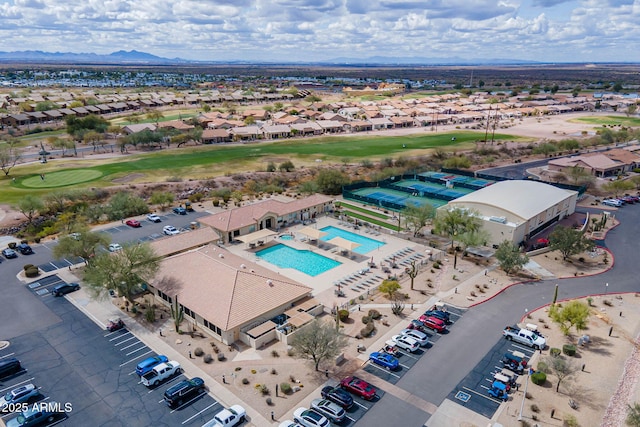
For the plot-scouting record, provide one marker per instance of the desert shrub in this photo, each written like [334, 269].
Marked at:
[367, 330]
[570, 421]
[208, 358]
[607, 303]
[12, 245]
[150, 314]
[286, 388]
[221, 357]
[366, 319]
[245, 381]
[534, 408]
[32, 272]
[196, 197]
[269, 401]
[343, 315]
[274, 353]
[539, 378]
[543, 366]
[374, 314]
[27, 266]
[569, 349]
[264, 390]
[555, 352]
[198, 352]
[274, 371]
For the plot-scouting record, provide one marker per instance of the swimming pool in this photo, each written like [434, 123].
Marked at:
[307, 262]
[366, 244]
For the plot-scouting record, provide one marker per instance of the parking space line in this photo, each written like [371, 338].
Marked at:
[118, 337]
[130, 345]
[124, 341]
[188, 403]
[410, 356]
[164, 384]
[7, 355]
[405, 366]
[16, 384]
[383, 369]
[135, 351]
[365, 407]
[198, 413]
[523, 349]
[481, 395]
[136, 358]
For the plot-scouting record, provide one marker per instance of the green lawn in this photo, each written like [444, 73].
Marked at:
[363, 210]
[610, 120]
[203, 160]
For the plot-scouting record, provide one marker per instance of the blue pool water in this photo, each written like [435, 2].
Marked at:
[286, 237]
[366, 244]
[307, 262]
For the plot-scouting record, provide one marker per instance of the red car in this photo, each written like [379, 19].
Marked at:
[133, 223]
[434, 323]
[114, 325]
[358, 387]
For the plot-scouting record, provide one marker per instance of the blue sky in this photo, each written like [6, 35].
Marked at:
[310, 30]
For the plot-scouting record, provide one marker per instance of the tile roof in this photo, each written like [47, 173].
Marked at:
[243, 216]
[171, 245]
[225, 289]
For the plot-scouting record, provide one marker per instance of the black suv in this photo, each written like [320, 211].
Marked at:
[9, 366]
[24, 249]
[183, 391]
[64, 288]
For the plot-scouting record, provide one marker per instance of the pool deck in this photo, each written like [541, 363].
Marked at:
[355, 274]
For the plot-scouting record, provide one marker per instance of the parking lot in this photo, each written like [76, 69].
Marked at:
[359, 408]
[408, 360]
[77, 362]
[122, 233]
[473, 391]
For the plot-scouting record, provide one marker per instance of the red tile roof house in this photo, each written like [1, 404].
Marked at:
[270, 214]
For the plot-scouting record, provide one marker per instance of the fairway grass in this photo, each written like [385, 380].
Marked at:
[609, 120]
[209, 161]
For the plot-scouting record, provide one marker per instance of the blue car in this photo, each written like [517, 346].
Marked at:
[385, 360]
[180, 210]
[147, 364]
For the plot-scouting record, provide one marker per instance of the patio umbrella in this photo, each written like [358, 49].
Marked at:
[312, 233]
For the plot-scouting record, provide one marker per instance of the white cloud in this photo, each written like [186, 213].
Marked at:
[571, 30]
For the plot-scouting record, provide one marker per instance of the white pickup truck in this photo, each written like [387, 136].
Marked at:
[160, 373]
[524, 336]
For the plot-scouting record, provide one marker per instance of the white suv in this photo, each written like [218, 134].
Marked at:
[406, 343]
[420, 337]
[170, 230]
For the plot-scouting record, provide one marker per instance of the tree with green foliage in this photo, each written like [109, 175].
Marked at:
[417, 216]
[29, 206]
[617, 87]
[10, 154]
[308, 187]
[286, 166]
[84, 243]
[560, 367]
[619, 186]
[633, 415]
[472, 238]
[631, 110]
[569, 242]
[124, 271]
[578, 175]
[318, 341]
[331, 181]
[572, 314]
[78, 126]
[453, 222]
[162, 198]
[154, 115]
[46, 105]
[312, 98]
[510, 258]
[389, 287]
[125, 204]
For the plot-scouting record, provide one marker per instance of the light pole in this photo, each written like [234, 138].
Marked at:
[606, 288]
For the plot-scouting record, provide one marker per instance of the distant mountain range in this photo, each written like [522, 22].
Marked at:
[141, 58]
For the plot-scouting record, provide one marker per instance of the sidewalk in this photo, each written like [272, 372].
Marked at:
[101, 311]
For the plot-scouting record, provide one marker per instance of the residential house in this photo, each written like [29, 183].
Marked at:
[215, 136]
[276, 131]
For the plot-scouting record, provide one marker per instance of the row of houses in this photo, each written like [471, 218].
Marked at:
[602, 164]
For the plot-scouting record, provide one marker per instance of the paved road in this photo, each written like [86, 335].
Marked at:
[475, 334]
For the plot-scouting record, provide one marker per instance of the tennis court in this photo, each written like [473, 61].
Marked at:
[432, 189]
[397, 197]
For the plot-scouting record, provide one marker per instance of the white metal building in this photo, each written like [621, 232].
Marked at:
[516, 210]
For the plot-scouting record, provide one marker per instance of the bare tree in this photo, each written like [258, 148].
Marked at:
[562, 368]
[318, 341]
[9, 156]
